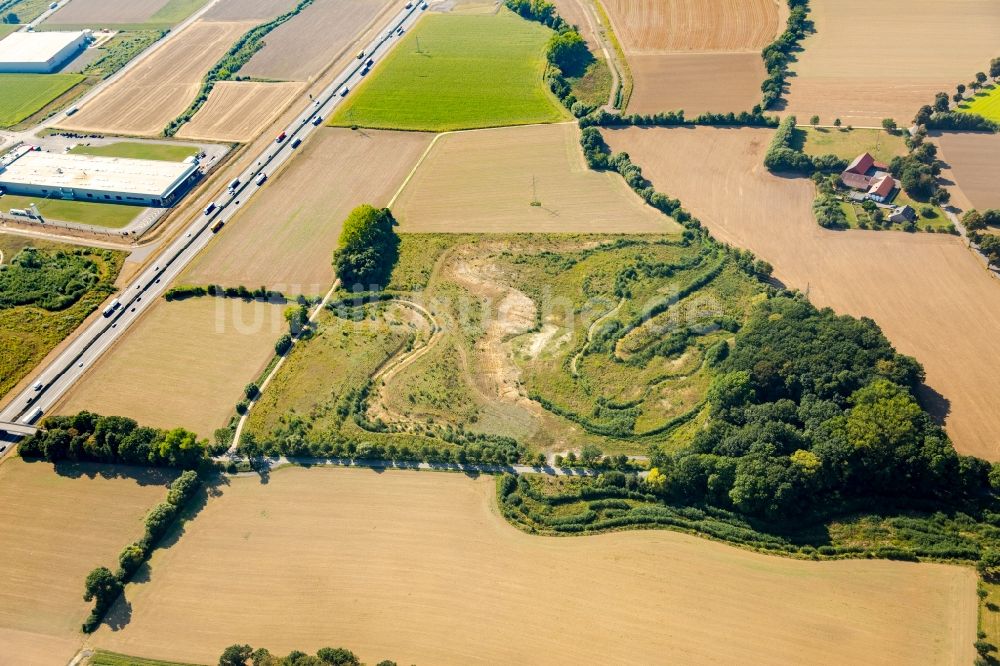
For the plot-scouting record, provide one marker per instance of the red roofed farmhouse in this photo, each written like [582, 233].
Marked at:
[864, 173]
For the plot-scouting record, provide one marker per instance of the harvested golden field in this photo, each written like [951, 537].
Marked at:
[56, 524]
[658, 26]
[412, 567]
[973, 160]
[248, 10]
[928, 292]
[184, 364]
[301, 48]
[696, 82]
[240, 110]
[160, 87]
[868, 61]
[103, 12]
[485, 182]
[286, 237]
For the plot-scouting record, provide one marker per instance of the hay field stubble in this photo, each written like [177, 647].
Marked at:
[286, 236]
[484, 182]
[56, 524]
[240, 110]
[893, 61]
[412, 567]
[185, 364]
[973, 160]
[160, 87]
[930, 295]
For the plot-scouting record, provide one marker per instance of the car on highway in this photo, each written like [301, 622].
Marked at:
[343, 93]
[423, 6]
[409, 5]
[261, 179]
[296, 143]
[317, 120]
[114, 305]
[209, 208]
[38, 386]
[281, 137]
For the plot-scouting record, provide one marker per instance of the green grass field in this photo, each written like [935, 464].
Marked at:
[848, 144]
[7, 28]
[139, 151]
[22, 95]
[469, 72]
[167, 17]
[985, 103]
[109, 216]
[28, 10]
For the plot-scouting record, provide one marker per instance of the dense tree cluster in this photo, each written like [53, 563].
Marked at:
[810, 412]
[240, 655]
[196, 291]
[368, 248]
[49, 280]
[755, 118]
[113, 439]
[778, 54]
[917, 171]
[102, 586]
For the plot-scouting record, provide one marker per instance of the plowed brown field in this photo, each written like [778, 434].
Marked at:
[656, 26]
[159, 88]
[930, 295]
[56, 524]
[868, 61]
[696, 82]
[248, 10]
[484, 182]
[301, 48]
[420, 568]
[240, 110]
[973, 160]
[184, 364]
[286, 237]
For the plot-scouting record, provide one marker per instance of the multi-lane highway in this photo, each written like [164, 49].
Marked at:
[93, 340]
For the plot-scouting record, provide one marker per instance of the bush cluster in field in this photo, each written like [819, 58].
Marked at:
[49, 280]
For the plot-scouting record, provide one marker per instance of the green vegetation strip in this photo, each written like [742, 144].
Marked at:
[985, 104]
[105, 658]
[22, 95]
[106, 215]
[458, 72]
[141, 151]
[237, 56]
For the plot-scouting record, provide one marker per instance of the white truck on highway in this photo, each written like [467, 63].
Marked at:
[114, 305]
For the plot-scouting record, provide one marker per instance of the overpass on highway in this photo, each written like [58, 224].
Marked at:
[17, 429]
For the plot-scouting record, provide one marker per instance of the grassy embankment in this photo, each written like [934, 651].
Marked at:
[458, 72]
[139, 151]
[29, 332]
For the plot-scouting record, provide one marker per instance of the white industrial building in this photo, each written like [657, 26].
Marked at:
[98, 179]
[39, 52]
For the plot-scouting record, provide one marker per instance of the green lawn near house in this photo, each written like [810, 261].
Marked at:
[848, 144]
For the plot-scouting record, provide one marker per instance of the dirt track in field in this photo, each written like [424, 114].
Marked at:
[240, 110]
[929, 294]
[301, 48]
[696, 82]
[184, 364]
[485, 181]
[420, 568]
[973, 160]
[54, 528]
[286, 237]
[658, 26]
[869, 61]
[103, 12]
[160, 88]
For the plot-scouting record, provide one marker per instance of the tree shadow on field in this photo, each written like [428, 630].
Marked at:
[936, 404]
[144, 476]
[120, 614]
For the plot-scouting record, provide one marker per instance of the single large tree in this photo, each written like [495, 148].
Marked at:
[569, 53]
[368, 250]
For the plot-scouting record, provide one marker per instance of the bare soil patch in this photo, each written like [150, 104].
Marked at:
[973, 160]
[928, 292]
[160, 87]
[56, 524]
[485, 182]
[286, 237]
[185, 364]
[657, 26]
[870, 61]
[302, 47]
[240, 110]
[102, 12]
[696, 82]
[412, 566]
[248, 10]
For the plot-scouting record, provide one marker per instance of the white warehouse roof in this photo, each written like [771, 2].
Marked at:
[37, 48]
[149, 178]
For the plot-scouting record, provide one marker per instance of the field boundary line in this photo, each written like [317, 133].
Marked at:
[267, 380]
[427, 151]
